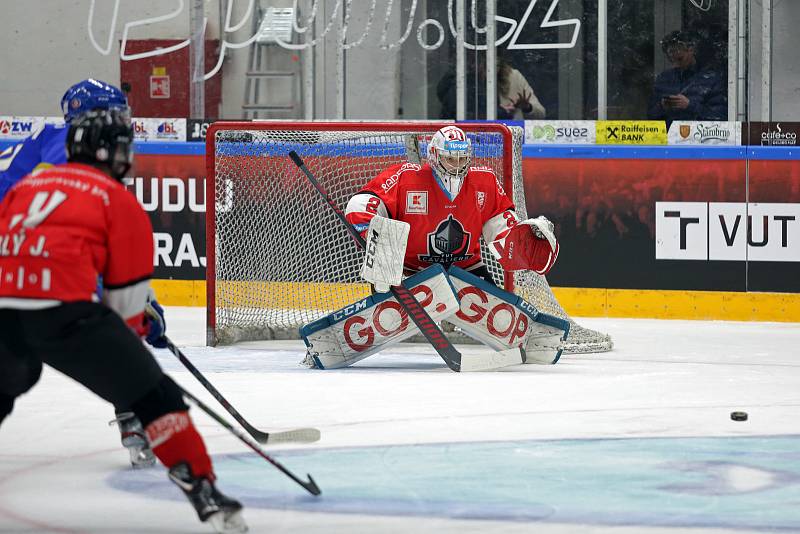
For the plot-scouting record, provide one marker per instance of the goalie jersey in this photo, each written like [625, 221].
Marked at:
[442, 230]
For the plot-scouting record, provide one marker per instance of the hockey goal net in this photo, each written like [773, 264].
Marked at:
[277, 256]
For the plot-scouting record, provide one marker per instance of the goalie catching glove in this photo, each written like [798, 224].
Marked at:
[530, 245]
[384, 253]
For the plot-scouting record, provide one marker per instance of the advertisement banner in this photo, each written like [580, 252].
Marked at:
[705, 133]
[172, 130]
[560, 132]
[773, 133]
[631, 132]
[196, 129]
[626, 224]
[171, 189]
[728, 231]
[18, 128]
[680, 224]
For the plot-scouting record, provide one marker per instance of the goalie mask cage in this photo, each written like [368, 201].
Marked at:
[278, 258]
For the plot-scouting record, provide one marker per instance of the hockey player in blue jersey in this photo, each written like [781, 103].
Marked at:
[47, 146]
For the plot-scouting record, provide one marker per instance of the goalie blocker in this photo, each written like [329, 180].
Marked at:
[515, 330]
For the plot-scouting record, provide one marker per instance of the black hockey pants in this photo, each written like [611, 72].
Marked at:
[89, 343]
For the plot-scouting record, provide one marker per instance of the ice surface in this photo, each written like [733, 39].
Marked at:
[635, 440]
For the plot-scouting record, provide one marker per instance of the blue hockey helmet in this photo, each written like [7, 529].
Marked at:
[89, 95]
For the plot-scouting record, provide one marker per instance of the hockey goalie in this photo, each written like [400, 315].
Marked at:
[422, 224]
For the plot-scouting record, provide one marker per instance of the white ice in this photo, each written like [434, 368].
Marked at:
[635, 440]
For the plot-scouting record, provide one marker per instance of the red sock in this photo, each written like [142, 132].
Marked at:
[174, 439]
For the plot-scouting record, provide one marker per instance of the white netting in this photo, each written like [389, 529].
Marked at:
[282, 259]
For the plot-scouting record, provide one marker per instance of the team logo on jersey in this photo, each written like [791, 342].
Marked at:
[480, 196]
[417, 202]
[447, 244]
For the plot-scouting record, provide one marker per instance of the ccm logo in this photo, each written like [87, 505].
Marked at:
[372, 247]
[727, 231]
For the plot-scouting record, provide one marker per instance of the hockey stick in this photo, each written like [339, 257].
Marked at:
[299, 435]
[429, 329]
[309, 485]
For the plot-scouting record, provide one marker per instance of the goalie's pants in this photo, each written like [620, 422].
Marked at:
[484, 273]
[481, 272]
[91, 344]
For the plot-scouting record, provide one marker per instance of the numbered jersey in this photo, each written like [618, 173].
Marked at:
[61, 228]
[443, 230]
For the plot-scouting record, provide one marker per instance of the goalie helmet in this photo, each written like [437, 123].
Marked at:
[89, 95]
[104, 136]
[449, 154]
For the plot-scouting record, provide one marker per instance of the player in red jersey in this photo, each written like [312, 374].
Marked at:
[448, 206]
[59, 230]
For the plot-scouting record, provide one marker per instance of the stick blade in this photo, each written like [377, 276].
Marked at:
[311, 486]
[298, 435]
[492, 361]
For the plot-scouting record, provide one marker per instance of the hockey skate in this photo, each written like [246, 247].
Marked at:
[134, 439]
[221, 512]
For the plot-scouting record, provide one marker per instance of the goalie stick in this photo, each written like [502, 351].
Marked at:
[414, 309]
[299, 435]
[309, 485]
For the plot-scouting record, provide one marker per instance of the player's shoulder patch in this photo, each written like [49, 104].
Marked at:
[482, 168]
[410, 166]
[392, 180]
[488, 174]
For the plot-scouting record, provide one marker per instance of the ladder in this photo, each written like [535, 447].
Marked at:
[272, 82]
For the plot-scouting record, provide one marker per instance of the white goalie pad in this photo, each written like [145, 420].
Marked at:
[365, 327]
[385, 250]
[503, 320]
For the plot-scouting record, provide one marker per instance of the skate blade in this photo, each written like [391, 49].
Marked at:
[141, 459]
[227, 523]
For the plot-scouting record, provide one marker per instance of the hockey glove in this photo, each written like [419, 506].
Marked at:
[531, 245]
[156, 325]
[385, 250]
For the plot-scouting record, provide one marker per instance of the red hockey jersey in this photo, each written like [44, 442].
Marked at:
[442, 230]
[62, 228]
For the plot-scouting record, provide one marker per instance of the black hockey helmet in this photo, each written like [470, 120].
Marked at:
[102, 136]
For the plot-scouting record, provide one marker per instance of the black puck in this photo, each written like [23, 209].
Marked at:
[739, 416]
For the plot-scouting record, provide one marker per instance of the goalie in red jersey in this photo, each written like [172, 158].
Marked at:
[416, 216]
[448, 206]
[59, 230]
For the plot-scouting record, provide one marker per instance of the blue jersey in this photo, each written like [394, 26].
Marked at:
[44, 148]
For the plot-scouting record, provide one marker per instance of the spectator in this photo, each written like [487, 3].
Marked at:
[687, 91]
[516, 99]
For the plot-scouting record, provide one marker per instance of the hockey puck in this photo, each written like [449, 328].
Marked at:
[739, 416]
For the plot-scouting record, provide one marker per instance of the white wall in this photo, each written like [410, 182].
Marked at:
[45, 47]
[785, 63]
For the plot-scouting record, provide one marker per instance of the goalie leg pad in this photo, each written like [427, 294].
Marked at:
[372, 324]
[503, 320]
